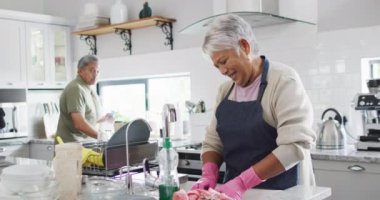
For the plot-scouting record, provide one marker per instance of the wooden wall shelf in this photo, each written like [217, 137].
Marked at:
[124, 30]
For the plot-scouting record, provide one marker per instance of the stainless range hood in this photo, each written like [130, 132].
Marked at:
[258, 13]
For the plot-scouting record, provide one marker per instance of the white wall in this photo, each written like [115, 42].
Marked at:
[342, 14]
[328, 63]
[327, 59]
[143, 40]
[33, 6]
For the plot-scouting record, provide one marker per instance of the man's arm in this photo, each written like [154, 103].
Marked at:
[82, 125]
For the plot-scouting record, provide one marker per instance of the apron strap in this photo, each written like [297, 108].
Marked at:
[264, 81]
[229, 91]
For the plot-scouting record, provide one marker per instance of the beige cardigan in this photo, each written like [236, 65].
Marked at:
[286, 107]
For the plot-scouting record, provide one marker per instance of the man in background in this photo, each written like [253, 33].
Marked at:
[80, 109]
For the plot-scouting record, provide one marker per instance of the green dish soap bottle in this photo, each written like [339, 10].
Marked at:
[168, 179]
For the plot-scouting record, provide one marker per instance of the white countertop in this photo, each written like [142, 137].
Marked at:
[298, 192]
[349, 154]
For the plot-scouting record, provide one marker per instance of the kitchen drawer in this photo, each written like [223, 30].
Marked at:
[19, 150]
[348, 180]
[355, 167]
[41, 151]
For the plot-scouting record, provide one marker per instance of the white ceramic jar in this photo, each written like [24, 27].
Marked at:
[118, 12]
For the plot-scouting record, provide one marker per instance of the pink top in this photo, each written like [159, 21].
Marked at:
[248, 93]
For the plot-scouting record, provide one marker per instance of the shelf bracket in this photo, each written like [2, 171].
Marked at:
[91, 42]
[126, 36]
[167, 29]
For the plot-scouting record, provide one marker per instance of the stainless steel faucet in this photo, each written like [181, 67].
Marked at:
[168, 115]
[128, 179]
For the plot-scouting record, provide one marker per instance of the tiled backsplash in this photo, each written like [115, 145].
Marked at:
[329, 63]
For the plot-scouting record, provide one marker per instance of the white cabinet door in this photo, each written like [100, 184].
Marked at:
[12, 55]
[348, 180]
[37, 52]
[48, 55]
[60, 56]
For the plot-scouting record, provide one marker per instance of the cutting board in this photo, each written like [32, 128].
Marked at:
[50, 123]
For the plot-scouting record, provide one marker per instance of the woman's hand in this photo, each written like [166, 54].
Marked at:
[233, 188]
[210, 173]
[236, 187]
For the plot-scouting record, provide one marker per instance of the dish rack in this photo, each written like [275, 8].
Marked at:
[96, 170]
[114, 158]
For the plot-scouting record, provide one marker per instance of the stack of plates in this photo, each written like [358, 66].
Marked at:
[28, 181]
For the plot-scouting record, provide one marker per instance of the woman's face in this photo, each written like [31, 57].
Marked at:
[236, 66]
[89, 73]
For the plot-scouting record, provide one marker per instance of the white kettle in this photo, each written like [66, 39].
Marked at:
[332, 133]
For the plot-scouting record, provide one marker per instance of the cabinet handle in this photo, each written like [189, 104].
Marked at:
[356, 168]
[2, 149]
[49, 148]
[9, 83]
[40, 83]
[59, 83]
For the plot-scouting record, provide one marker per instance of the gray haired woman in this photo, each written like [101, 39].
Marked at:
[262, 122]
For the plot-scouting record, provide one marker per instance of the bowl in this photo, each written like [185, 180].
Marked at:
[26, 178]
[26, 172]
[48, 193]
[24, 186]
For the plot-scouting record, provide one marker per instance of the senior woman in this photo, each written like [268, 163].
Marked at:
[262, 122]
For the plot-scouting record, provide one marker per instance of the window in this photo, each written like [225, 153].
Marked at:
[144, 98]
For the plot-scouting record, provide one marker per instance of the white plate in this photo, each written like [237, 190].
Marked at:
[51, 193]
[26, 172]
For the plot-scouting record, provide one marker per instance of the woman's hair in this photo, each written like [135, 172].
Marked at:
[86, 60]
[226, 32]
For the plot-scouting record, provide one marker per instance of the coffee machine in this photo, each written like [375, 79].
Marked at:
[369, 106]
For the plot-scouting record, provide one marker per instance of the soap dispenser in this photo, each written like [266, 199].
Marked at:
[168, 178]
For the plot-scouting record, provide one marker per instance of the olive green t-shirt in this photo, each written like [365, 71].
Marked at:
[76, 97]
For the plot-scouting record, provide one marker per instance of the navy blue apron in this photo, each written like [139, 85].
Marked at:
[247, 138]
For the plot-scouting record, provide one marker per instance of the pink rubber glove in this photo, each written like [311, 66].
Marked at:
[236, 187]
[210, 173]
